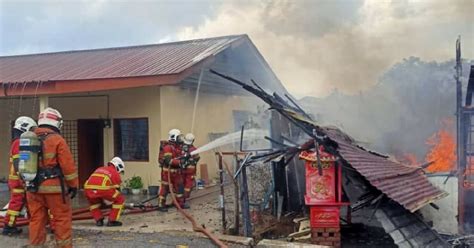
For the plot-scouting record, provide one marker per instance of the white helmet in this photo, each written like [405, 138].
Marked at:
[51, 117]
[24, 123]
[173, 135]
[188, 139]
[118, 164]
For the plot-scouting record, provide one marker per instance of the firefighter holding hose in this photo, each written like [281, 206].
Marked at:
[48, 169]
[189, 170]
[103, 187]
[170, 162]
[15, 184]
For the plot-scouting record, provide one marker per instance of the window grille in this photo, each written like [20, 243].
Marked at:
[131, 139]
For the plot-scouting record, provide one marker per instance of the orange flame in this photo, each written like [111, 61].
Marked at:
[443, 149]
[408, 158]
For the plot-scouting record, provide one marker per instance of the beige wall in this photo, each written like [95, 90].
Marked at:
[165, 107]
[213, 115]
[141, 102]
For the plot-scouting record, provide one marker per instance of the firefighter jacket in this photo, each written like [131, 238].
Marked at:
[56, 152]
[14, 181]
[169, 155]
[104, 178]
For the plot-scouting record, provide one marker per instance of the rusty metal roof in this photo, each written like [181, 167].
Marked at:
[121, 62]
[404, 184]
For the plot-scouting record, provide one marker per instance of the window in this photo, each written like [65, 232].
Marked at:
[131, 139]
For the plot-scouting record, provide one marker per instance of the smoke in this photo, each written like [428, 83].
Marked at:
[316, 46]
[398, 115]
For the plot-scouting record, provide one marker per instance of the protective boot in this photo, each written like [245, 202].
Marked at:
[162, 209]
[11, 230]
[114, 223]
[100, 222]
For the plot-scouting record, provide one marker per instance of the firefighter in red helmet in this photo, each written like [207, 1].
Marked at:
[15, 184]
[103, 187]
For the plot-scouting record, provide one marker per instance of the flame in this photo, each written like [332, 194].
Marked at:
[409, 158]
[443, 149]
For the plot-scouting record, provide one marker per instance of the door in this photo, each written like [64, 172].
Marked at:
[90, 134]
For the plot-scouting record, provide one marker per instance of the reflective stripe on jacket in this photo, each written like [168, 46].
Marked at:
[14, 181]
[104, 178]
[56, 152]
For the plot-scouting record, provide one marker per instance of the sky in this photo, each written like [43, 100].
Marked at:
[313, 46]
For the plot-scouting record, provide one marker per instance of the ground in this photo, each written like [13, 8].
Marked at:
[156, 229]
[152, 229]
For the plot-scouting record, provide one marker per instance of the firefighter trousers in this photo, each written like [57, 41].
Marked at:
[16, 203]
[38, 205]
[96, 197]
[188, 176]
[178, 187]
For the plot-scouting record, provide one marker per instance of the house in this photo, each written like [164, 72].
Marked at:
[123, 101]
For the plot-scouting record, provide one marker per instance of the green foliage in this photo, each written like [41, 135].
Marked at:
[135, 182]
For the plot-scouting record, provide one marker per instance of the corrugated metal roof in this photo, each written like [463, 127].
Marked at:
[121, 62]
[405, 184]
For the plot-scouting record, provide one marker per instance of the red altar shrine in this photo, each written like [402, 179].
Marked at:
[324, 197]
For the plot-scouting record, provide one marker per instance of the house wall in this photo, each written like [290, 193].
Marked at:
[138, 102]
[214, 114]
[142, 102]
[165, 107]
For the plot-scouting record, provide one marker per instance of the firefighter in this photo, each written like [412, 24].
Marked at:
[189, 171]
[170, 162]
[103, 187]
[55, 172]
[15, 184]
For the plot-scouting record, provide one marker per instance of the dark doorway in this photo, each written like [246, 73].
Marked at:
[90, 134]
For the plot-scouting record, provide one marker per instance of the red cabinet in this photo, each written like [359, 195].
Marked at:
[323, 196]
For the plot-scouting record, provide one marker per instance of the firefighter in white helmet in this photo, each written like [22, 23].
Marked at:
[169, 160]
[189, 171]
[56, 171]
[103, 186]
[15, 184]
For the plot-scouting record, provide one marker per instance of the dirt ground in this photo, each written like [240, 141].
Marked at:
[157, 229]
[151, 229]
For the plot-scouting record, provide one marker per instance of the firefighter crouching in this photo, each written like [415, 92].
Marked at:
[15, 184]
[103, 186]
[46, 179]
[169, 160]
[189, 170]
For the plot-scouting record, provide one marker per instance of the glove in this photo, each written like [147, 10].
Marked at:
[184, 161]
[72, 192]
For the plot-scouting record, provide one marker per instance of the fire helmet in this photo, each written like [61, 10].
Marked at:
[188, 139]
[24, 124]
[51, 117]
[173, 135]
[118, 164]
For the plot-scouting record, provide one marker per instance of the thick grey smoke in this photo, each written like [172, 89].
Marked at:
[316, 46]
[397, 115]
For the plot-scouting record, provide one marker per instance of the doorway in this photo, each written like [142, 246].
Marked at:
[90, 134]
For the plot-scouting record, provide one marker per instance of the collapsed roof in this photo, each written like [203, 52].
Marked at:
[406, 185]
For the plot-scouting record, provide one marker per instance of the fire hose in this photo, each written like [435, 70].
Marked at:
[202, 229]
[84, 213]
